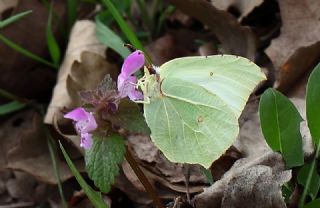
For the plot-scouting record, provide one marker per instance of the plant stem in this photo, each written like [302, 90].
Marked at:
[143, 179]
[308, 183]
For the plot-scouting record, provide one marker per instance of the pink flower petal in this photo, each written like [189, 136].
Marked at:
[87, 125]
[135, 95]
[86, 141]
[77, 114]
[132, 63]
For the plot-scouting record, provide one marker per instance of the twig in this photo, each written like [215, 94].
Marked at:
[143, 179]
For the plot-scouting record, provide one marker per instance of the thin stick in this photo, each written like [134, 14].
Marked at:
[143, 179]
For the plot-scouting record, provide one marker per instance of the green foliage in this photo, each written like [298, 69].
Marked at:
[103, 158]
[72, 12]
[303, 177]
[193, 118]
[313, 204]
[280, 123]
[129, 117]
[313, 117]
[313, 103]
[124, 26]
[94, 197]
[11, 107]
[51, 41]
[14, 18]
[106, 36]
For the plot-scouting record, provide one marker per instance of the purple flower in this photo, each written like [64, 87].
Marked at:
[84, 123]
[126, 80]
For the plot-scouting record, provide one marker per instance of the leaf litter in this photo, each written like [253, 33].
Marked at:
[249, 168]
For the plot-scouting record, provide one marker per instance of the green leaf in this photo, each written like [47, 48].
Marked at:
[110, 39]
[124, 26]
[51, 41]
[129, 117]
[280, 123]
[313, 204]
[208, 175]
[94, 197]
[11, 107]
[14, 18]
[314, 183]
[102, 160]
[192, 109]
[313, 102]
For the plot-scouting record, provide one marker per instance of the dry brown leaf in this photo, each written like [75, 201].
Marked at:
[167, 178]
[172, 45]
[7, 4]
[24, 147]
[22, 75]
[235, 39]
[258, 182]
[297, 48]
[244, 7]
[84, 66]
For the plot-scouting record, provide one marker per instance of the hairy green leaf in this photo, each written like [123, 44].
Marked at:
[280, 123]
[102, 160]
[129, 117]
[94, 197]
[192, 109]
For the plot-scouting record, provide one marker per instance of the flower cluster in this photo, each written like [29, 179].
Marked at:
[126, 80]
[85, 122]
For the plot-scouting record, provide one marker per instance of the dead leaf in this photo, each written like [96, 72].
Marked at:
[297, 48]
[22, 75]
[22, 186]
[84, 66]
[243, 7]
[256, 186]
[258, 182]
[167, 178]
[172, 45]
[24, 147]
[235, 39]
[7, 4]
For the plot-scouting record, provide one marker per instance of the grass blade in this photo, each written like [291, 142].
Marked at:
[94, 197]
[125, 28]
[53, 156]
[8, 95]
[14, 18]
[51, 41]
[72, 12]
[11, 107]
[110, 39]
[25, 52]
